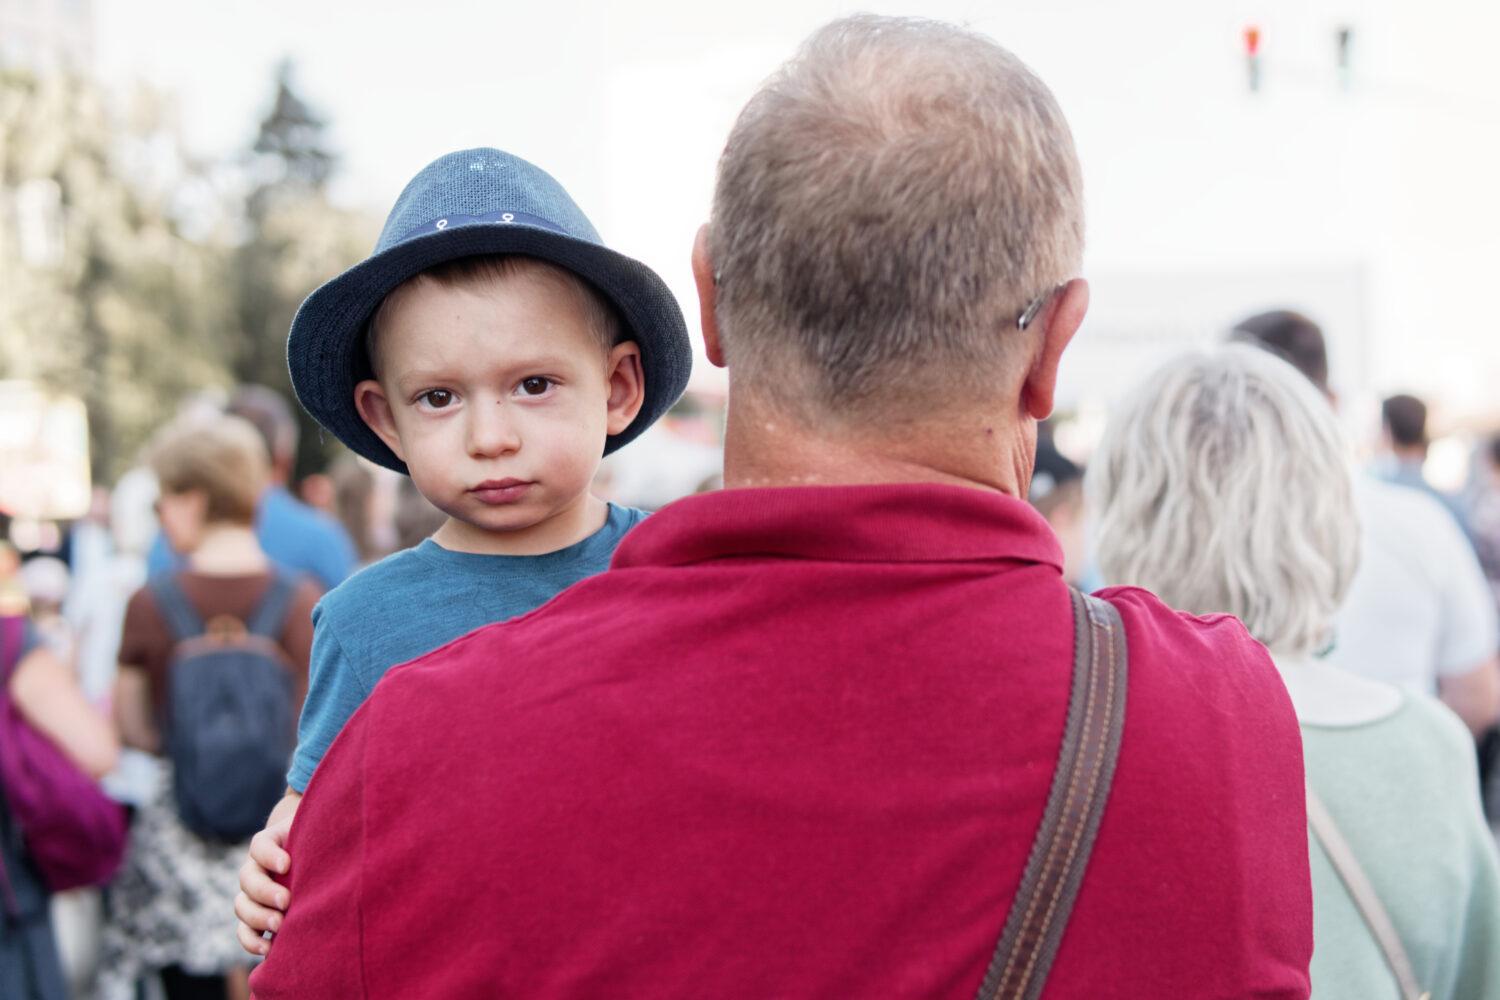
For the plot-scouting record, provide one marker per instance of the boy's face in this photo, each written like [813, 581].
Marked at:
[499, 397]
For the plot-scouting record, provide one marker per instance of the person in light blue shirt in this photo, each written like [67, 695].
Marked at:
[1403, 458]
[295, 536]
[494, 350]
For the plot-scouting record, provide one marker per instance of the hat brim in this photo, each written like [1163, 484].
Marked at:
[326, 348]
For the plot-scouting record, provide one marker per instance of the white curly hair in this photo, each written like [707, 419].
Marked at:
[1223, 484]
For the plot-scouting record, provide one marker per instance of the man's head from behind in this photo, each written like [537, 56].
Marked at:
[887, 206]
[1403, 418]
[269, 413]
[1292, 337]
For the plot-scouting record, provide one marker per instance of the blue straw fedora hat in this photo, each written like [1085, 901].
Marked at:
[477, 201]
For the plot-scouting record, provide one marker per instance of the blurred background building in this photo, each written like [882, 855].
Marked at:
[47, 35]
[175, 176]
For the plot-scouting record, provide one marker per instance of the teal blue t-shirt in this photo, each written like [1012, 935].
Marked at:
[416, 600]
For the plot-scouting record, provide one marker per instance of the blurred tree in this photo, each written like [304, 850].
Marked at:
[294, 240]
[133, 275]
[103, 295]
[290, 141]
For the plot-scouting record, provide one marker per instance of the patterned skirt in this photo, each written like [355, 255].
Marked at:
[172, 902]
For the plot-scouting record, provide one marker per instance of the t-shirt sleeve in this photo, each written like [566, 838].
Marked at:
[334, 692]
[297, 633]
[145, 642]
[316, 953]
[1468, 636]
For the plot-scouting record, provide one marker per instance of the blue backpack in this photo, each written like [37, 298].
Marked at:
[230, 729]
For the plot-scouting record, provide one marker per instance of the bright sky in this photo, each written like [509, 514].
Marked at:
[1376, 207]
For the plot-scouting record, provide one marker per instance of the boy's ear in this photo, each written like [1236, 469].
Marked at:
[375, 410]
[627, 385]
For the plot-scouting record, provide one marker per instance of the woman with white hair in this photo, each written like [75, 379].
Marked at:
[1222, 485]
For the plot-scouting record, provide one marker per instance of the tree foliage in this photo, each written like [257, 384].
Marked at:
[134, 276]
[295, 240]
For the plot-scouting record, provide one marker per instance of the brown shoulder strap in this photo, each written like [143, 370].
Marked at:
[1366, 899]
[1080, 786]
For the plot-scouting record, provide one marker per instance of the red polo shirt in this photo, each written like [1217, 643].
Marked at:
[796, 743]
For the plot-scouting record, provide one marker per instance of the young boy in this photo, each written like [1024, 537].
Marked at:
[493, 349]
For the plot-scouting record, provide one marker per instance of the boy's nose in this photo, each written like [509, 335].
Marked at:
[492, 432]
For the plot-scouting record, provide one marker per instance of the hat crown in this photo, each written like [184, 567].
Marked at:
[479, 182]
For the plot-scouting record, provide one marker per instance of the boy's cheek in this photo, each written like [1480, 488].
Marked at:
[429, 436]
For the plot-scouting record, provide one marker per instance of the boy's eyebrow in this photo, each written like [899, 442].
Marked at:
[539, 364]
[413, 377]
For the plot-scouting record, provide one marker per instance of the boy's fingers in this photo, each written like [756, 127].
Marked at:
[265, 849]
[260, 888]
[251, 941]
[254, 917]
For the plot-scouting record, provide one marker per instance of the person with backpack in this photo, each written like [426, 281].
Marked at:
[213, 670]
[44, 711]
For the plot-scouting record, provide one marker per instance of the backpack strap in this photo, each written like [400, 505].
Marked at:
[269, 618]
[1080, 787]
[12, 636]
[1366, 900]
[180, 615]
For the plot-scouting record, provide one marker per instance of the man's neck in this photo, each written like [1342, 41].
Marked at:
[977, 450]
[1410, 457]
[228, 550]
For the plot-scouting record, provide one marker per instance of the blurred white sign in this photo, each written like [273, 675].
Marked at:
[44, 453]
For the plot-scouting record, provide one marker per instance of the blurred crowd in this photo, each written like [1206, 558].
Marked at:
[216, 485]
[871, 609]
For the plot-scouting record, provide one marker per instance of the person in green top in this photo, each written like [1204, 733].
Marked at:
[1223, 485]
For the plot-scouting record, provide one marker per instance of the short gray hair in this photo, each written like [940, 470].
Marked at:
[887, 204]
[1223, 485]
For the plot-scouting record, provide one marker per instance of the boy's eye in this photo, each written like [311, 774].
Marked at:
[436, 399]
[536, 385]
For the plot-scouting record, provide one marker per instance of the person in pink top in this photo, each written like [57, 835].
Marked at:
[800, 739]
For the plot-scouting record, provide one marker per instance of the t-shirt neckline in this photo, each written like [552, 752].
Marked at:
[616, 521]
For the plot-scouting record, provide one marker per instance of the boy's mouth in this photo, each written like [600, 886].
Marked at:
[501, 491]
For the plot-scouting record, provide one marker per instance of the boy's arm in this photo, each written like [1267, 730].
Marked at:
[334, 691]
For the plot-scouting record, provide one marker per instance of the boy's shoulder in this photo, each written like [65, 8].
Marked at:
[625, 517]
[382, 582]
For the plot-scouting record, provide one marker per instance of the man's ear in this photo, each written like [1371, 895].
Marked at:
[627, 385]
[708, 297]
[1060, 320]
[375, 410]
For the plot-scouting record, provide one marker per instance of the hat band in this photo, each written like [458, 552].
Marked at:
[504, 218]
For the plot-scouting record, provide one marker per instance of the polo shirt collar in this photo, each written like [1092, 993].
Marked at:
[915, 522]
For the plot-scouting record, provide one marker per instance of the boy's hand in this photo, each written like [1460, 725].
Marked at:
[262, 901]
